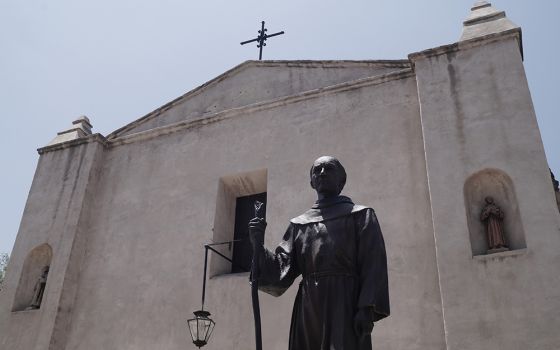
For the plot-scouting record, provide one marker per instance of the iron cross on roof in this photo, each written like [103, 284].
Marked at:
[261, 39]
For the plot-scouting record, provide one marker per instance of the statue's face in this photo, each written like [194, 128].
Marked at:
[326, 177]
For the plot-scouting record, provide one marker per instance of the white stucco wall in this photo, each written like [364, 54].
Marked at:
[53, 215]
[477, 114]
[154, 208]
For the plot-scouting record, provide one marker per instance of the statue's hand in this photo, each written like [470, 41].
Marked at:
[363, 324]
[256, 232]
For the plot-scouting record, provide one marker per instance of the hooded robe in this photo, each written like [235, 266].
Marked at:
[338, 249]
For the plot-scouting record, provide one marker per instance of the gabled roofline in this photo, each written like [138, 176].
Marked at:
[216, 117]
[259, 106]
[252, 63]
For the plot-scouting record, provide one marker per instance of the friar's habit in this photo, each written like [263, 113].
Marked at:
[338, 249]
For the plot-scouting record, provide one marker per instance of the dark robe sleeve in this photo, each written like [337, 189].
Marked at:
[278, 269]
[372, 266]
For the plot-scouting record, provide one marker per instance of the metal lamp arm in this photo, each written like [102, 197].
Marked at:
[207, 247]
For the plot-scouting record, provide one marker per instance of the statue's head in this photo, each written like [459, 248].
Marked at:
[328, 176]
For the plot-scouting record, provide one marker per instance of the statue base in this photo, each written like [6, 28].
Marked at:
[497, 250]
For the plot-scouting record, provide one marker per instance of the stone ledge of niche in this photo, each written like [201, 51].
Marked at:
[23, 312]
[500, 255]
[230, 275]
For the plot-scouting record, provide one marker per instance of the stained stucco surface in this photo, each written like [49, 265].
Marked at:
[155, 205]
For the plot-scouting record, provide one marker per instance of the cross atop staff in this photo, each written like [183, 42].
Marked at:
[261, 39]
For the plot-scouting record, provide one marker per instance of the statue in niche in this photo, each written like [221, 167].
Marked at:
[556, 189]
[39, 289]
[493, 218]
[338, 248]
[554, 181]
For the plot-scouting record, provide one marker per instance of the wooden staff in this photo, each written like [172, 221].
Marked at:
[255, 286]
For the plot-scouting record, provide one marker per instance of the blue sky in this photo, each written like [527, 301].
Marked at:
[115, 61]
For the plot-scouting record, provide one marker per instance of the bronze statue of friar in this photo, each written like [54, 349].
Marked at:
[338, 248]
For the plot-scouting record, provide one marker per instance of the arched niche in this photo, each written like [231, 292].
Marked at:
[497, 184]
[37, 259]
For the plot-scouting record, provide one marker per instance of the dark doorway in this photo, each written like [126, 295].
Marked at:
[244, 211]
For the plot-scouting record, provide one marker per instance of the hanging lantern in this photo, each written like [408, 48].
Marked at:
[201, 327]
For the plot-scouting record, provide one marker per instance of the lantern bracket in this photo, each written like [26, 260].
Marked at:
[202, 322]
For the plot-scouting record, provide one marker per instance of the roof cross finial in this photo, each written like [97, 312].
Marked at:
[261, 39]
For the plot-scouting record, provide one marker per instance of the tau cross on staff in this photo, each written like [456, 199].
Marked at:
[261, 39]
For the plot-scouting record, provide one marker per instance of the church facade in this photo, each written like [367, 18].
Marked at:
[121, 221]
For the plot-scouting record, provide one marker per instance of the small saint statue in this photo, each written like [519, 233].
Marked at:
[493, 218]
[39, 289]
[555, 185]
